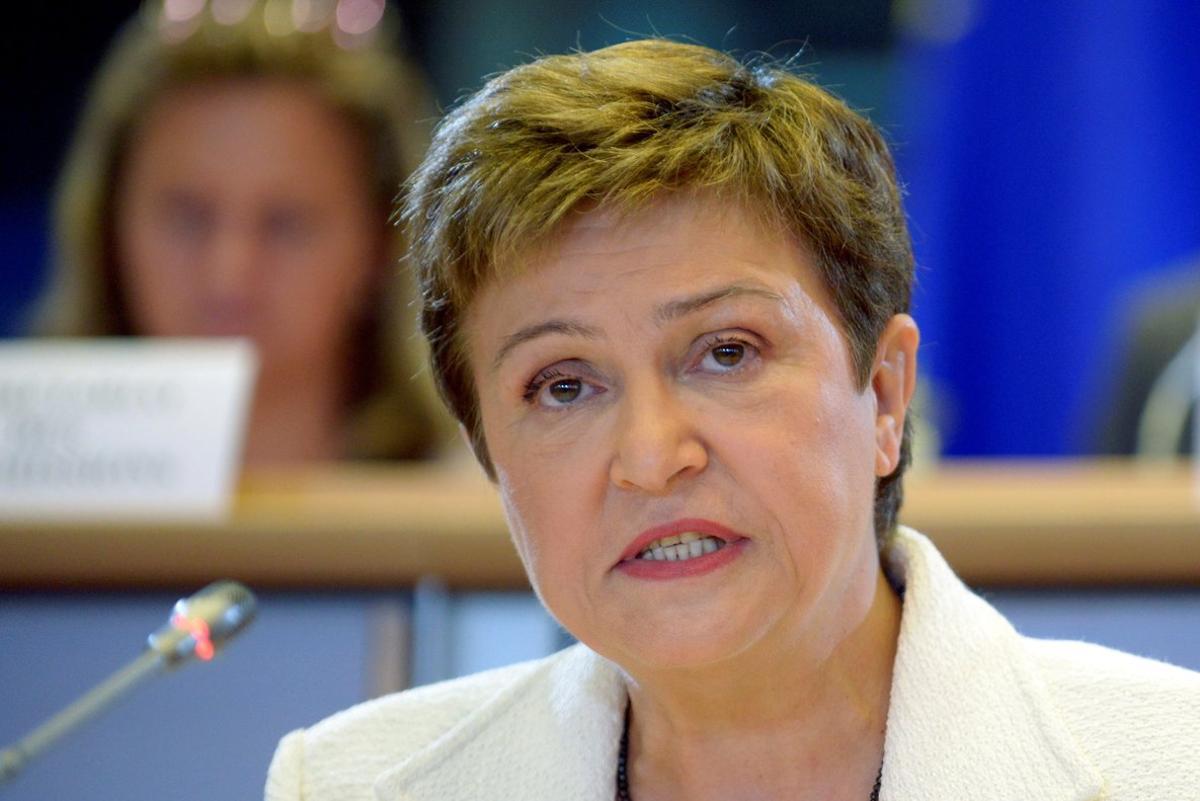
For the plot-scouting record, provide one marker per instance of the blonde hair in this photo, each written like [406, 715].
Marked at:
[392, 413]
[621, 125]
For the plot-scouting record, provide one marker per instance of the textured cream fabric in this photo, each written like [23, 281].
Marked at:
[978, 713]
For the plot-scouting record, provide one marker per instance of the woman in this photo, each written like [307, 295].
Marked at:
[667, 298]
[233, 175]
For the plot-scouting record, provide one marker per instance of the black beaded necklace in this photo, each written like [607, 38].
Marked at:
[623, 767]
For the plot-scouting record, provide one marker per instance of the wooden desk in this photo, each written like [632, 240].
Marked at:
[355, 526]
[1030, 523]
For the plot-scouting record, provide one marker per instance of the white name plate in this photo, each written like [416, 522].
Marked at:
[121, 428]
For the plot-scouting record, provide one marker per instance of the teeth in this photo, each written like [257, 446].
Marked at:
[678, 548]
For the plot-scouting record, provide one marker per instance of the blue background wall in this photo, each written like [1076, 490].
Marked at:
[1050, 154]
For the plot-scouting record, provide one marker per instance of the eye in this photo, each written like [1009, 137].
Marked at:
[727, 355]
[286, 225]
[555, 389]
[564, 390]
[188, 219]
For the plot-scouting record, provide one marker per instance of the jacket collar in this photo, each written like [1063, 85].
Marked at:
[969, 718]
[553, 735]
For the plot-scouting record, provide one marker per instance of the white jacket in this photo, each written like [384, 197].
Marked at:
[977, 712]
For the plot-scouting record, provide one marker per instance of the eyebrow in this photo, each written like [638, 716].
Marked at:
[673, 310]
[565, 327]
[665, 313]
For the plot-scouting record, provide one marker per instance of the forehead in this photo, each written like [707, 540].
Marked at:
[675, 241]
[273, 129]
[605, 268]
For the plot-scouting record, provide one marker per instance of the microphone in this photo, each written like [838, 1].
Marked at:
[199, 626]
[203, 623]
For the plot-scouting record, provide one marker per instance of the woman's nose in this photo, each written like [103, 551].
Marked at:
[232, 261]
[657, 442]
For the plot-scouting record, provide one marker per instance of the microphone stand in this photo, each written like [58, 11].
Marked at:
[94, 702]
[198, 626]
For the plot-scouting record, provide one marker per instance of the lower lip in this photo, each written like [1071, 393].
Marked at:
[662, 570]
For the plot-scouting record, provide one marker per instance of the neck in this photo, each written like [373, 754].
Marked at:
[296, 418]
[797, 722]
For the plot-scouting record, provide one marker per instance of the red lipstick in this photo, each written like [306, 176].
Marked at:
[660, 569]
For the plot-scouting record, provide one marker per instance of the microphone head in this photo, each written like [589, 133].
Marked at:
[201, 624]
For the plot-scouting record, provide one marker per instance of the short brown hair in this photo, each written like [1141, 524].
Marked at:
[621, 125]
[366, 82]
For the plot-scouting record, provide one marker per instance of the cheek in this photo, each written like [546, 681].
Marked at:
[326, 285]
[841, 439]
[812, 456]
[158, 282]
[546, 536]
[527, 489]
[551, 495]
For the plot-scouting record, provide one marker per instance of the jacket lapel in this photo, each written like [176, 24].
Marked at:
[970, 717]
[552, 736]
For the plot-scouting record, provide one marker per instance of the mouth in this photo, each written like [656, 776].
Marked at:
[679, 541]
[681, 547]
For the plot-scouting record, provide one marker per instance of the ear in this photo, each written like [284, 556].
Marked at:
[893, 379]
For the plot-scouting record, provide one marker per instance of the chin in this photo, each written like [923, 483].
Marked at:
[671, 646]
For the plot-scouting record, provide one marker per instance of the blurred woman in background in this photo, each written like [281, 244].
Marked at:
[232, 176]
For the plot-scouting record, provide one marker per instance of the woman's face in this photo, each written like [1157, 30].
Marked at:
[244, 209]
[682, 372]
